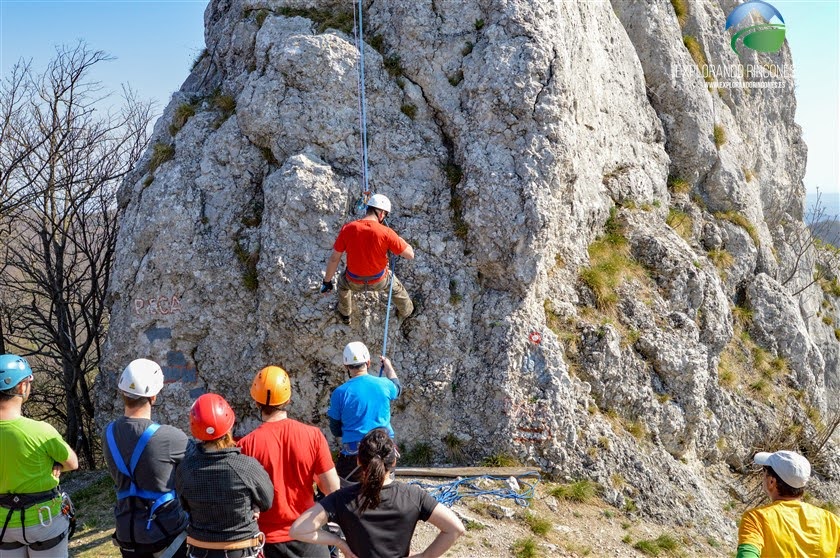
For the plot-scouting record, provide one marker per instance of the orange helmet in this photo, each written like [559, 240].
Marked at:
[210, 417]
[271, 386]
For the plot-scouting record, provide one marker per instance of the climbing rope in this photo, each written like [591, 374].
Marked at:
[388, 313]
[361, 203]
[358, 36]
[451, 492]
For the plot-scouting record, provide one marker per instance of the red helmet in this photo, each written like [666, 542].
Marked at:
[210, 417]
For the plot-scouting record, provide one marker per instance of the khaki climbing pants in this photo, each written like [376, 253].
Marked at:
[400, 296]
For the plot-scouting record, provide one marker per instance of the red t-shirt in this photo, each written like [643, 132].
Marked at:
[367, 243]
[293, 454]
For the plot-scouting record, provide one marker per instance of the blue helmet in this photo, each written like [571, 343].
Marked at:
[13, 370]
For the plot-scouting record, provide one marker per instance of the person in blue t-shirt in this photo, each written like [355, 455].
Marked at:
[360, 405]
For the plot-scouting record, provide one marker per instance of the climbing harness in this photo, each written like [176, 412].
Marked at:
[174, 546]
[358, 36]
[451, 492]
[388, 314]
[158, 499]
[247, 548]
[20, 503]
[364, 279]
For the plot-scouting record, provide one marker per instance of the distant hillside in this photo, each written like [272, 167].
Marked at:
[827, 231]
[829, 200]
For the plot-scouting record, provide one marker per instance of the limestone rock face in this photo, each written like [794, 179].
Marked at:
[527, 148]
[778, 325]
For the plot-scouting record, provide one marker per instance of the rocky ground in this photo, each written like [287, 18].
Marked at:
[561, 520]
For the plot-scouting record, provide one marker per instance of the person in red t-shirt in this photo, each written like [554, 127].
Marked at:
[294, 455]
[367, 243]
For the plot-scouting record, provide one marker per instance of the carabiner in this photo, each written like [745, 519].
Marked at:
[41, 515]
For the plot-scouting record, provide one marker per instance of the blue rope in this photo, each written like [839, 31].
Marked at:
[451, 492]
[388, 312]
[363, 112]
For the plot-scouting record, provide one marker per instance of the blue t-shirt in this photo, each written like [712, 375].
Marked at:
[362, 404]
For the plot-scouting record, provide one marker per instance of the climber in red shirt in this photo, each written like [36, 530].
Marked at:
[367, 242]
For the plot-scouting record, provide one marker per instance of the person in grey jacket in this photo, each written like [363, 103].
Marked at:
[222, 489]
[149, 518]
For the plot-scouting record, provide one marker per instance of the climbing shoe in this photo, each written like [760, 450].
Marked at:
[342, 318]
[418, 307]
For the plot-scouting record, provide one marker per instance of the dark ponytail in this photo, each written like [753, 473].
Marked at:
[377, 457]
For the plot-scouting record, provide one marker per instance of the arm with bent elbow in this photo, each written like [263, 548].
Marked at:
[69, 464]
[72, 461]
[307, 528]
[328, 482]
[408, 253]
[450, 529]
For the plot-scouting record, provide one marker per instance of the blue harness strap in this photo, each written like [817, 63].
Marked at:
[158, 498]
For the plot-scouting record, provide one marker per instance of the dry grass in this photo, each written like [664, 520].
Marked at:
[681, 222]
[183, 113]
[681, 11]
[325, 19]
[738, 219]
[161, 153]
[744, 365]
[610, 264]
[582, 492]
[830, 287]
[722, 259]
[679, 185]
[743, 316]
[94, 517]
[719, 135]
[699, 57]
[749, 174]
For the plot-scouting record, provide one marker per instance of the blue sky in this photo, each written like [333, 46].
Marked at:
[155, 42]
[813, 28]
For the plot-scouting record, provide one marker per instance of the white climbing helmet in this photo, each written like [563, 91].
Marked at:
[356, 353]
[380, 202]
[141, 378]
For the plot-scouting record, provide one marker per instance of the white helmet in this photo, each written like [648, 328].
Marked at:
[141, 378]
[356, 353]
[380, 202]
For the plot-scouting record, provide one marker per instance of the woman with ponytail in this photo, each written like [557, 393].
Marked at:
[378, 515]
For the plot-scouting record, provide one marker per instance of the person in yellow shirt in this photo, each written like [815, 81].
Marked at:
[787, 527]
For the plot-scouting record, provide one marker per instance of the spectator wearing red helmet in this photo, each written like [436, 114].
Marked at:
[221, 489]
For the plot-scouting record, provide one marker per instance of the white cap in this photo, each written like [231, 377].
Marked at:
[356, 353]
[791, 467]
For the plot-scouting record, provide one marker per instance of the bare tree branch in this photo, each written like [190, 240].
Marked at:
[62, 158]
